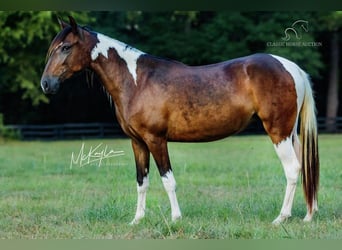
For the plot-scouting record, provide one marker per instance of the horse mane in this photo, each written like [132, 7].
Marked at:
[92, 80]
[87, 28]
[61, 36]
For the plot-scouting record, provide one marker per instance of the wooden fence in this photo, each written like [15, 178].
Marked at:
[112, 130]
[68, 131]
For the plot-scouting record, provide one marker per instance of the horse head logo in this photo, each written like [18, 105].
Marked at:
[296, 28]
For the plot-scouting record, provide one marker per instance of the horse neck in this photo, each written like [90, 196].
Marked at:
[115, 63]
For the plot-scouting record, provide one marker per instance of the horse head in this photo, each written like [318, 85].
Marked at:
[69, 52]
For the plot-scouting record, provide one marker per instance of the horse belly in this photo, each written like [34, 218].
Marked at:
[203, 126]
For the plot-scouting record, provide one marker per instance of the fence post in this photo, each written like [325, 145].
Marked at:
[101, 130]
[331, 124]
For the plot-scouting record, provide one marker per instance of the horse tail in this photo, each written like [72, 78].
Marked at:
[309, 141]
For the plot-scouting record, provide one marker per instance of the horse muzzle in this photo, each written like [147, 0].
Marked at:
[49, 84]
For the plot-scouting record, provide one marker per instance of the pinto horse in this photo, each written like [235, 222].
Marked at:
[158, 100]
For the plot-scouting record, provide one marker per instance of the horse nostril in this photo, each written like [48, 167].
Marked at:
[45, 85]
[49, 85]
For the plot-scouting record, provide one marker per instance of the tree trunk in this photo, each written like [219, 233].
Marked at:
[332, 97]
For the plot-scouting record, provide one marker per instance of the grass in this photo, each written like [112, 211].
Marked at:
[230, 189]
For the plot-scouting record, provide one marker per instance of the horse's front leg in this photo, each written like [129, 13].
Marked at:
[158, 148]
[142, 161]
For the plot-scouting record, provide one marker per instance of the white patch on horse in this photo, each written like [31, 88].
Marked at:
[141, 205]
[170, 187]
[286, 153]
[298, 76]
[127, 53]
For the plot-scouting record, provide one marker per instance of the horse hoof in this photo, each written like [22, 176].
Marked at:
[176, 218]
[307, 218]
[276, 222]
[280, 219]
[134, 222]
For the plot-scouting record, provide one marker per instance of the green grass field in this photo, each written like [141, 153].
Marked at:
[230, 189]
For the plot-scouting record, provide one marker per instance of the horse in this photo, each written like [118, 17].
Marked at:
[159, 100]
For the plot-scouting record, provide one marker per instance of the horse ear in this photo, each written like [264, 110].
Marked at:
[73, 25]
[75, 29]
[62, 24]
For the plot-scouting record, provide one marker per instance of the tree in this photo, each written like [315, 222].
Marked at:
[333, 23]
[269, 28]
[25, 37]
[23, 44]
[21, 33]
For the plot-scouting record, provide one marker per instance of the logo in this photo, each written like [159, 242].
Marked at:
[296, 29]
[294, 36]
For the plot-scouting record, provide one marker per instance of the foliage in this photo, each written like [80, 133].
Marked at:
[272, 26]
[7, 133]
[207, 37]
[25, 37]
[192, 37]
[332, 20]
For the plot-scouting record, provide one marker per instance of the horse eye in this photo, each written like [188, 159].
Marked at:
[66, 48]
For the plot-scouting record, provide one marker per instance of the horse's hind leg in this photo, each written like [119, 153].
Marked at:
[287, 151]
